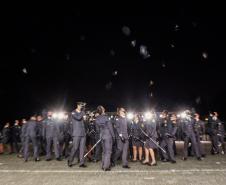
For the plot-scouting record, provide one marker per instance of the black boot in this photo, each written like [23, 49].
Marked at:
[69, 163]
[82, 166]
[126, 166]
[37, 159]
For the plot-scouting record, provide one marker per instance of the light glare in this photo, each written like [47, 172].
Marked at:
[148, 115]
[130, 115]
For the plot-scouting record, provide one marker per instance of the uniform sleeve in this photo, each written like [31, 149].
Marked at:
[26, 129]
[39, 129]
[44, 129]
[117, 127]
[22, 132]
[222, 127]
[19, 131]
[70, 128]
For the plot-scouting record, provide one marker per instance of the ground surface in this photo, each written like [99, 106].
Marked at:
[208, 172]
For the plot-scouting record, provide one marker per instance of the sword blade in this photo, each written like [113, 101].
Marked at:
[92, 148]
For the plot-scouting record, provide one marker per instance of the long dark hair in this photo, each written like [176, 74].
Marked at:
[100, 109]
[119, 109]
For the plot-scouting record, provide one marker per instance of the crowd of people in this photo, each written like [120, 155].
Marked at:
[124, 137]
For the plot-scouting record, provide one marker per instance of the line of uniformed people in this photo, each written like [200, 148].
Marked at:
[120, 137]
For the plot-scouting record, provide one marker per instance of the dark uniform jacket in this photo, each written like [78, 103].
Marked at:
[105, 125]
[78, 125]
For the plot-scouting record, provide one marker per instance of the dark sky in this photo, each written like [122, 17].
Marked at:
[53, 58]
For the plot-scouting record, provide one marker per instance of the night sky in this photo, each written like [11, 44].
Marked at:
[138, 56]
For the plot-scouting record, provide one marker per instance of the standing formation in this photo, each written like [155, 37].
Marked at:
[119, 138]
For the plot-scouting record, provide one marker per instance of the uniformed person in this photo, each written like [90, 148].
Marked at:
[122, 138]
[130, 122]
[98, 149]
[78, 134]
[136, 139]
[31, 134]
[67, 137]
[150, 130]
[6, 137]
[50, 134]
[58, 135]
[90, 139]
[41, 138]
[199, 128]
[217, 133]
[168, 129]
[106, 135]
[189, 135]
[16, 131]
[22, 137]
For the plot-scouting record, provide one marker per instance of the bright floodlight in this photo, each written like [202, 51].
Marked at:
[130, 115]
[183, 115]
[54, 115]
[65, 117]
[148, 115]
[59, 115]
